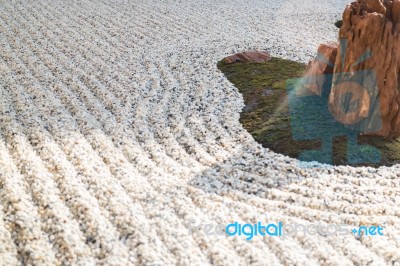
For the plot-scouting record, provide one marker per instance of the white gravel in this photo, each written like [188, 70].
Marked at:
[117, 131]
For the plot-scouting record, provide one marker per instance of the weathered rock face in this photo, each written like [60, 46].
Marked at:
[370, 25]
[318, 69]
[248, 57]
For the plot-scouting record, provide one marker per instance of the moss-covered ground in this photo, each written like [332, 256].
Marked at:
[266, 113]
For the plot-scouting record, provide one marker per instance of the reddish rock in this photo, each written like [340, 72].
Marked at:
[248, 57]
[371, 6]
[395, 12]
[373, 25]
[323, 64]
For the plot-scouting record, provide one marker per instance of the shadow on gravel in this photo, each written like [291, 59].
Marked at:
[250, 177]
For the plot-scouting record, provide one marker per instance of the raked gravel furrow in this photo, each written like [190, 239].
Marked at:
[191, 251]
[8, 249]
[118, 135]
[113, 99]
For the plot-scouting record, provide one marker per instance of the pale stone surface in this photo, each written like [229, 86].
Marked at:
[118, 134]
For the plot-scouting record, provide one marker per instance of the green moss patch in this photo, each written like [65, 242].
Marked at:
[266, 112]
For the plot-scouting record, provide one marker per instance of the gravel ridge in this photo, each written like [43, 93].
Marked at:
[118, 133]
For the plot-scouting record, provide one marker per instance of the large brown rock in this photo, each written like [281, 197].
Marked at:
[370, 25]
[248, 57]
[316, 70]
